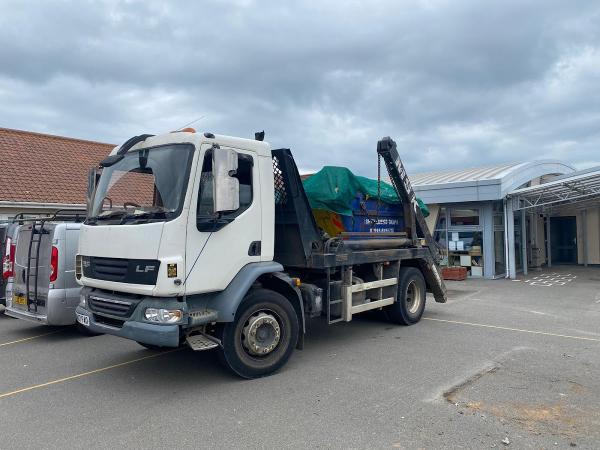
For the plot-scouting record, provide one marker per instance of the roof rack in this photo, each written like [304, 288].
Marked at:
[62, 215]
[67, 215]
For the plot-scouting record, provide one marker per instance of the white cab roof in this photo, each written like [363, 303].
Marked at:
[260, 147]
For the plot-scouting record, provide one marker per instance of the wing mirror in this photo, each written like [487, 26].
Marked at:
[226, 188]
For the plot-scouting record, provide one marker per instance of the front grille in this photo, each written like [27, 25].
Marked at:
[117, 308]
[110, 269]
[109, 321]
[134, 271]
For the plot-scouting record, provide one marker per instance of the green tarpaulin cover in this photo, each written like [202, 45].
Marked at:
[333, 189]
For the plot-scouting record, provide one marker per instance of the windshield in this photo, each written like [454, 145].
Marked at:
[146, 185]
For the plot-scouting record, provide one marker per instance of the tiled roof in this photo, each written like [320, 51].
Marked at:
[42, 168]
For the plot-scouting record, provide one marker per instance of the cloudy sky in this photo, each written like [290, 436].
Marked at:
[455, 83]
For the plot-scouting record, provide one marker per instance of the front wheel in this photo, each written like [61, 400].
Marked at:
[262, 336]
[410, 303]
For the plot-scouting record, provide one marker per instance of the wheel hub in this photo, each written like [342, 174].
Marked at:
[261, 334]
[413, 298]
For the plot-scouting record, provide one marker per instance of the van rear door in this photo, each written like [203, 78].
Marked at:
[32, 267]
[3, 233]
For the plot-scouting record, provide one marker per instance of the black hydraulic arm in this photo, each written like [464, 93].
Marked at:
[413, 217]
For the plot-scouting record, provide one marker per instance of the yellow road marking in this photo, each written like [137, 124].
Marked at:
[84, 374]
[29, 338]
[513, 329]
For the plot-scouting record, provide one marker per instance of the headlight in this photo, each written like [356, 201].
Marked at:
[163, 315]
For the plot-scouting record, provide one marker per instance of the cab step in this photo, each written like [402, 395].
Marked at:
[201, 342]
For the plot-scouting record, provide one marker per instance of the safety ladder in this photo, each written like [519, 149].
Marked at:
[334, 289]
[379, 296]
[33, 262]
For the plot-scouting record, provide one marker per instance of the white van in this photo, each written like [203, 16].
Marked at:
[44, 288]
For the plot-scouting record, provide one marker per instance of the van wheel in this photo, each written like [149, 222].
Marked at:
[85, 331]
[410, 302]
[262, 336]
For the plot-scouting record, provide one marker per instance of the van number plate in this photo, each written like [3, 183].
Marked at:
[83, 320]
[20, 300]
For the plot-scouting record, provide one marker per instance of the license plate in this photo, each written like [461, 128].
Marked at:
[83, 320]
[20, 300]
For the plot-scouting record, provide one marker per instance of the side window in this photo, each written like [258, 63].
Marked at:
[205, 196]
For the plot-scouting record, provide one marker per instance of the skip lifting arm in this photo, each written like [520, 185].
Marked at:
[386, 149]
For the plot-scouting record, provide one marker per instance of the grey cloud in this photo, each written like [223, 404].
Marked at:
[454, 82]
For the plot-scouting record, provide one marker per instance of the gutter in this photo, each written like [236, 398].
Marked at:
[39, 205]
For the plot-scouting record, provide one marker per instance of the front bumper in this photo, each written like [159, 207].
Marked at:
[159, 335]
[123, 315]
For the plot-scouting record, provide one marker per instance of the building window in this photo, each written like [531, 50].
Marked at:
[500, 257]
[464, 217]
[460, 235]
[441, 236]
[465, 248]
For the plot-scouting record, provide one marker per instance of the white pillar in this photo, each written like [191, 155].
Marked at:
[535, 235]
[510, 241]
[524, 241]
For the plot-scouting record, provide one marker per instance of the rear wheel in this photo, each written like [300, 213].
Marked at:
[410, 302]
[262, 336]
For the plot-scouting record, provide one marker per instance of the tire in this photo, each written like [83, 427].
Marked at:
[85, 331]
[410, 302]
[273, 320]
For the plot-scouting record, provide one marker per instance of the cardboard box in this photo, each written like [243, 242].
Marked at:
[476, 271]
[475, 250]
[465, 260]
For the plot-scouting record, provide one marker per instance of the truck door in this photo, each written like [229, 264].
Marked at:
[219, 246]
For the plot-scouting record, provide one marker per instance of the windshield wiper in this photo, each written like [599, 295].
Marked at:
[105, 216]
[159, 214]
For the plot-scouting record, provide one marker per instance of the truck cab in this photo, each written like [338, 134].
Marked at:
[207, 240]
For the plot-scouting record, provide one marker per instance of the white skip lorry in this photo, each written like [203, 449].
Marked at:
[209, 241]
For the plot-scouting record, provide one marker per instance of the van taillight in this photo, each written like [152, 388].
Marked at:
[8, 260]
[54, 264]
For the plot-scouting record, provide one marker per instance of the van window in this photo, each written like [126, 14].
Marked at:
[205, 195]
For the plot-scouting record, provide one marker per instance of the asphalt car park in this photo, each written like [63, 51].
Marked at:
[502, 364]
